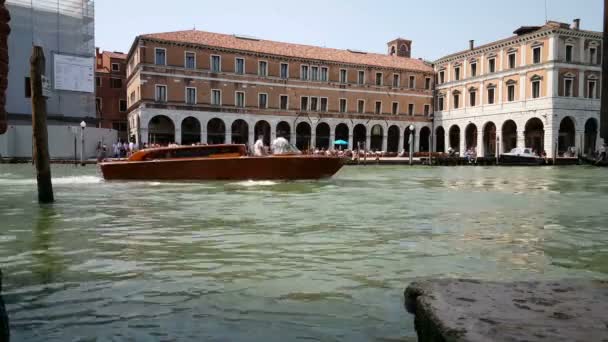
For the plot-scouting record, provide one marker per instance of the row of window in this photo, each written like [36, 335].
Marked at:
[307, 103]
[511, 63]
[114, 82]
[122, 105]
[592, 57]
[569, 88]
[491, 92]
[307, 72]
[591, 92]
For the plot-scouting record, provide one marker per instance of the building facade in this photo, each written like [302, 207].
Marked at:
[111, 91]
[193, 86]
[539, 88]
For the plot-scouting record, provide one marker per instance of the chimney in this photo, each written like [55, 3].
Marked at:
[471, 44]
[576, 24]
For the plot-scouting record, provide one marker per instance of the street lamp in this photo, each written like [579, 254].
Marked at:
[83, 125]
[411, 142]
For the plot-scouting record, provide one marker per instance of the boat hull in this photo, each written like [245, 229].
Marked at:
[234, 168]
[520, 160]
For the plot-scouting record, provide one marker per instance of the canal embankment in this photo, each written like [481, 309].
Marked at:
[478, 311]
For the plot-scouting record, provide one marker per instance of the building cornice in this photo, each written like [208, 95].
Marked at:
[280, 83]
[517, 40]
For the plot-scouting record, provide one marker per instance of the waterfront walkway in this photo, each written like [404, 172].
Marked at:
[469, 310]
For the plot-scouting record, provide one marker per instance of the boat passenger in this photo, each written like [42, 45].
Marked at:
[258, 147]
[280, 145]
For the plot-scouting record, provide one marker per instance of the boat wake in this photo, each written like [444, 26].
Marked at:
[252, 183]
[69, 180]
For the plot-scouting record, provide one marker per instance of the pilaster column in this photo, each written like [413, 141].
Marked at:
[292, 137]
[522, 54]
[463, 143]
[522, 87]
[332, 139]
[178, 136]
[481, 94]
[579, 137]
[550, 142]
[350, 141]
[480, 148]
[384, 141]
[143, 136]
[581, 84]
[498, 98]
[552, 82]
[553, 46]
[521, 137]
[581, 50]
[313, 139]
[204, 133]
[368, 140]
[401, 140]
[251, 136]
[434, 139]
[228, 137]
[446, 139]
[273, 132]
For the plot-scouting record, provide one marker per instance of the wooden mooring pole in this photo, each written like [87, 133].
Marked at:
[39, 128]
[604, 83]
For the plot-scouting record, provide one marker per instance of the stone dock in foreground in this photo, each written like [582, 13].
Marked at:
[456, 310]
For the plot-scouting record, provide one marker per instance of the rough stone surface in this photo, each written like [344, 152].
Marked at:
[470, 310]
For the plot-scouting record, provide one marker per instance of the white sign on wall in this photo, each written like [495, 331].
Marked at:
[74, 73]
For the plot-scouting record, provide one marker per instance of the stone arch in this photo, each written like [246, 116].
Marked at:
[341, 132]
[509, 135]
[535, 135]
[455, 138]
[240, 132]
[322, 133]
[591, 128]
[440, 140]
[216, 131]
[377, 134]
[191, 131]
[566, 134]
[284, 130]
[392, 143]
[161, 130]
[262, 128]
[424, 143]
[470, 136]
[489, 139]
[359, 137]
[303, 135]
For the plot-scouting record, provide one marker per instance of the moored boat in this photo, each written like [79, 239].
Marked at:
[219, 162]
[520, 156]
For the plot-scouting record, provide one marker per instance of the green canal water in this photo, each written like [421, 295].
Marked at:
[270, 261]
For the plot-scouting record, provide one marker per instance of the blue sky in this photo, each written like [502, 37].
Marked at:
[436, 27]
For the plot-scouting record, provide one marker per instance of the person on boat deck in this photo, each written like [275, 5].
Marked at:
[280, 145]
[258, 147]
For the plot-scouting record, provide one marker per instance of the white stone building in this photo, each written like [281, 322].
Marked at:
[539, 88]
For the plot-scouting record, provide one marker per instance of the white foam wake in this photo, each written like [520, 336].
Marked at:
[250, 183]
[59, 180]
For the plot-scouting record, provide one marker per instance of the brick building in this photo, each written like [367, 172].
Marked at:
[193, 86]
[538, 88]
[110, 91]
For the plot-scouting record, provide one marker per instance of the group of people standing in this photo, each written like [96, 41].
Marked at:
[122, 149]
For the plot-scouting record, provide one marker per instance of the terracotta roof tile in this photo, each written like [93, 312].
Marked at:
[291, 50]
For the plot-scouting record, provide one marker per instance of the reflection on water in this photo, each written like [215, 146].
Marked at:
[278, 261]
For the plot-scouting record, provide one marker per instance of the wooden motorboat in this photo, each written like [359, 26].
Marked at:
[219, 162]
[520, 156]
